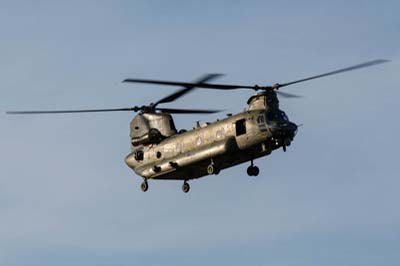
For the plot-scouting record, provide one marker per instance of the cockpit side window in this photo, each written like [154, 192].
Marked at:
[283, 116]
[276, 116]
[261, 122]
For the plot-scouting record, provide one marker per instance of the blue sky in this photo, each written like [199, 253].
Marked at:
[67, 198]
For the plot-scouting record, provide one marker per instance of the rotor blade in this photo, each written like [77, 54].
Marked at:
[190, 84]
[172, 97]
[366, 64]
[234, 87]
[187, 111]
[134, 109]
[288, 95]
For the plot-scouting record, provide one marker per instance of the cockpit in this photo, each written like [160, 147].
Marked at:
[272, 119]
[277, 122]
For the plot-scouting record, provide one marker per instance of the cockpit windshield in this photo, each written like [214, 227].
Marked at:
[276, 116]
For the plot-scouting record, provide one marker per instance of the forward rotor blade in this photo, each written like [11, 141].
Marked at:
[172, 97]
[190, 84]
[133, 109]
[273, 87]
[351, 68]
[187, 111]
[288, 95]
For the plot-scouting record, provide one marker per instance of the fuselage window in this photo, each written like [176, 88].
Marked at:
[240, 127]
[218, 134]
[198, 141]
[139, 155]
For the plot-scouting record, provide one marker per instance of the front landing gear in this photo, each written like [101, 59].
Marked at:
[185, 187]
[253, 170]
[144, 186]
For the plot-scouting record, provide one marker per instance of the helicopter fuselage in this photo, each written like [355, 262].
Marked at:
[211, 147]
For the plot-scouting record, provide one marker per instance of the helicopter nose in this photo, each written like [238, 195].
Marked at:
[285, 130]
[290, 128]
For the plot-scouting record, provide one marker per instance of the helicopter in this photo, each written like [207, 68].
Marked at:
[160, 152]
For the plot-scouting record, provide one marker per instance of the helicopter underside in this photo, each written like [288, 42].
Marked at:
[218, 163]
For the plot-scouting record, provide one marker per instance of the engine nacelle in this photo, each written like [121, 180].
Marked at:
[149, 128]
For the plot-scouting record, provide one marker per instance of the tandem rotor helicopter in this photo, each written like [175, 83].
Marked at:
[159, 151]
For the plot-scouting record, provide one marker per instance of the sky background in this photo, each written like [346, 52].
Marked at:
[67, 197]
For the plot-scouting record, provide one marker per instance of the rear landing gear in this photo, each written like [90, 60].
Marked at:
[185, 187]
[144, 186]
[253, 170]
[210, 169]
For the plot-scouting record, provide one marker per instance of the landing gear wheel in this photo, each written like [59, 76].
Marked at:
[253, 170]
[185, 187]
[210, 169]
[144, 186]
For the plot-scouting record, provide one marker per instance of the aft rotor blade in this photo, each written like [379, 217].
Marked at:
[351, 68]
[187, 111]
[133, 109]
[172, 97]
